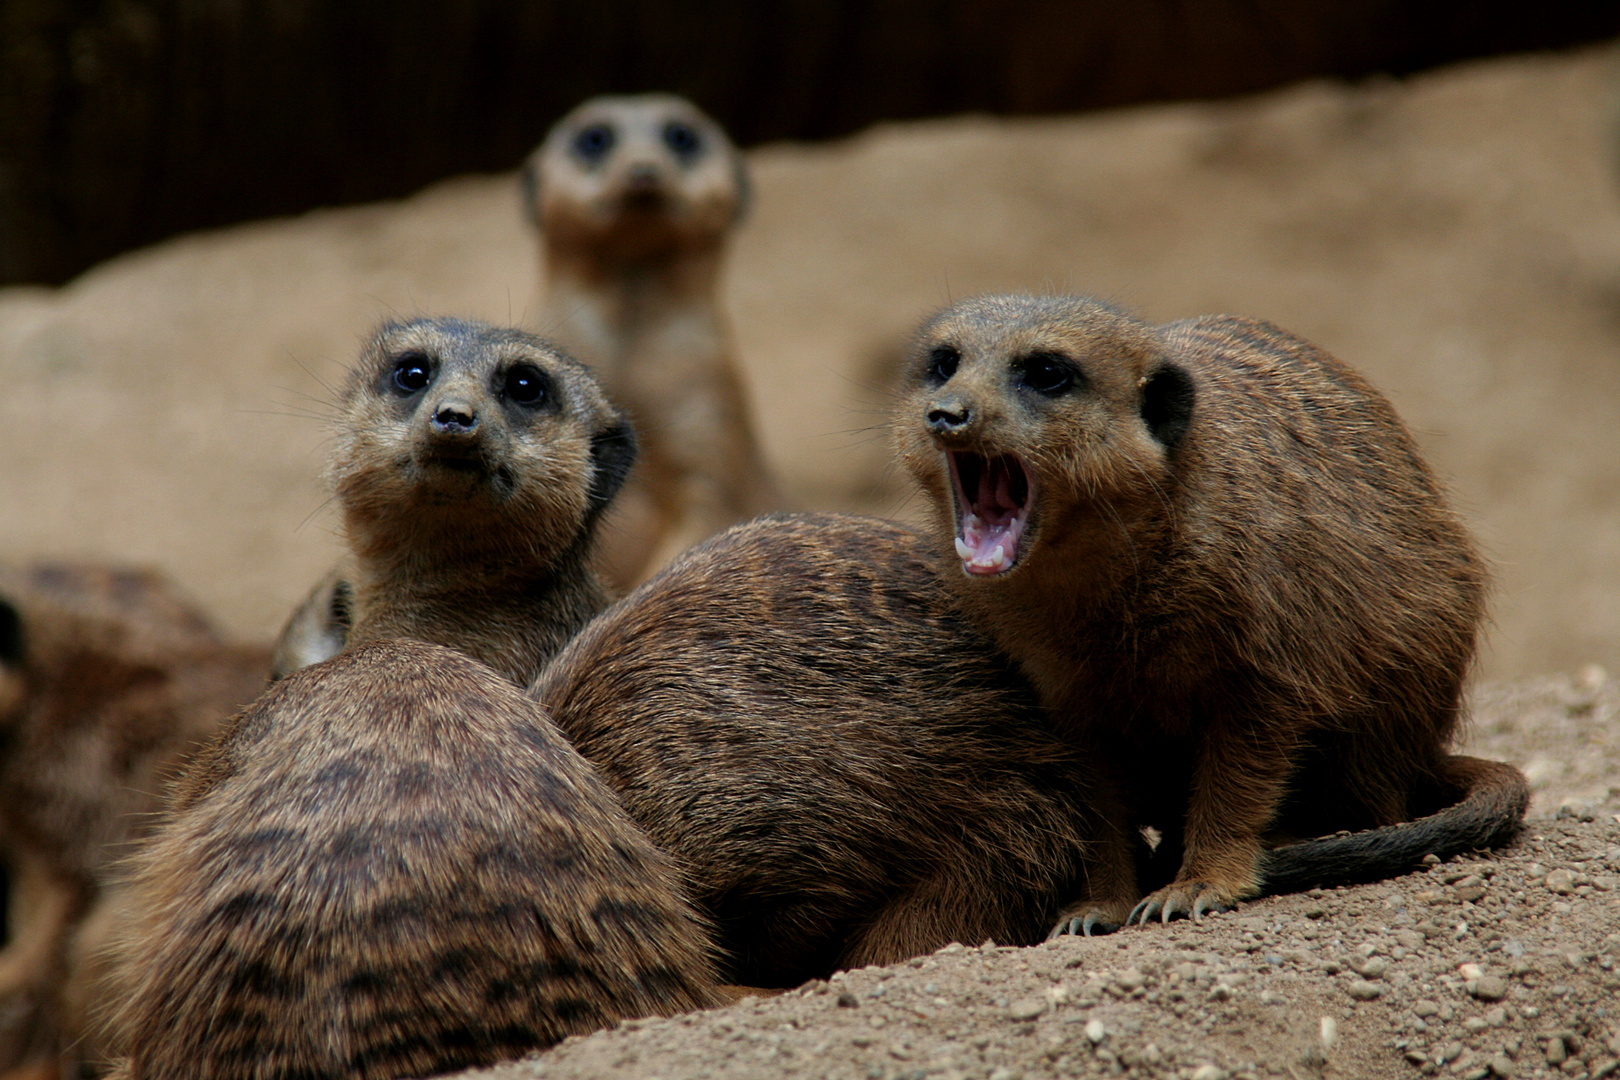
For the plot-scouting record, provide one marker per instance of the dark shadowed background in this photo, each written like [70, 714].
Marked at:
[125, 121]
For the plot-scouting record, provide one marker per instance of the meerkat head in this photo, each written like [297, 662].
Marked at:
[631, 178]
[1030, 419]
[458, 439]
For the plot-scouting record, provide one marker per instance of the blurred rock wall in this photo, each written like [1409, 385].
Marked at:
[124, 121]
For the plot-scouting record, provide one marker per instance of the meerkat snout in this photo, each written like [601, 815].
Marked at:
[949, 415]
[455, 418]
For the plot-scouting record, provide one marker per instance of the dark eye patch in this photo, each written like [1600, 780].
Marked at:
[1048, 373]
[592, 143]
[942, 363]
[412, 373]
[683, 139]
[525, 384]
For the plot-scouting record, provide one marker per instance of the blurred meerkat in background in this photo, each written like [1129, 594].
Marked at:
[109, 678]
[634, 198]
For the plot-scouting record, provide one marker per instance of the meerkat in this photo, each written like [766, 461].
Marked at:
[109, 677]
[392, 864]
[458, 448]
[318, 627]
[1220, 559]
[634, 199]
[844, 771]
[444, 422]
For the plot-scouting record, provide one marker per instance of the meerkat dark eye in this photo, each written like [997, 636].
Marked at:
[683, 139]
[1048, 374]
[412, 373]
[942, 363]
[593, 143]
[525, 385]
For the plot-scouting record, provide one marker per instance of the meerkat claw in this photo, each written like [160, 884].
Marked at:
[1209, 904]
[1096, 925]
[1141, 913]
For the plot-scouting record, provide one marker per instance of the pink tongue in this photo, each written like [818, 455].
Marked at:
[992, 525]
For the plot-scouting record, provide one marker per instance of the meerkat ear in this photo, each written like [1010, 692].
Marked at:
[1167, 404]
[613, 449]
[11, 635]
[529, 184]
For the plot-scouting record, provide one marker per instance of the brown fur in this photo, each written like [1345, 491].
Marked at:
[108, 679]
[632, 239]
[845, 771]
[477, 539]
[392, 865]
[1238, 581]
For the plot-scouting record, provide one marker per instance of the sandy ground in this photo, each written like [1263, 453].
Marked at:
[1458, 237]
[1365, 983]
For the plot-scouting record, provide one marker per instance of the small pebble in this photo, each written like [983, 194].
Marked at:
[1362, 990]
[1501, 1065]
[1490, 988]
[1027, 1008]
[1209, 1072]
[1095, 1030]
[1561, 882]
[1425, 1008]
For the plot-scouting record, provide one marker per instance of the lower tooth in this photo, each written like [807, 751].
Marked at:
[999, 559]
[963, 551]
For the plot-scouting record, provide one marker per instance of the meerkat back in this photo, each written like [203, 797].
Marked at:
[634, 199]
[393, 865]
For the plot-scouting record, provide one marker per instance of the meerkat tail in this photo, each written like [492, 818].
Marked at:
[1489, 815]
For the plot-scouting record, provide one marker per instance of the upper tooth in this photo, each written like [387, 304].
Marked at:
[963, 551]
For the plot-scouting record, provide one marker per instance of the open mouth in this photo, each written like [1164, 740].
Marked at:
[993, 497]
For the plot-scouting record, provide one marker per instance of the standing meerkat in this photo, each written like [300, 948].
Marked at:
[1217, 554]
[109, 678]
[634, 198]
[392, 864]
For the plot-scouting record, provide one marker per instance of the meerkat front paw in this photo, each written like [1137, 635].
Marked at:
[1089, 918]
[1186, 899]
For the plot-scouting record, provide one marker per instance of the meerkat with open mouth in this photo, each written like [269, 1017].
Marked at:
[1220, 558]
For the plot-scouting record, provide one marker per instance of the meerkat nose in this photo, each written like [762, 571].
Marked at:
[454, 417]
[947, 416]
[643, 178]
